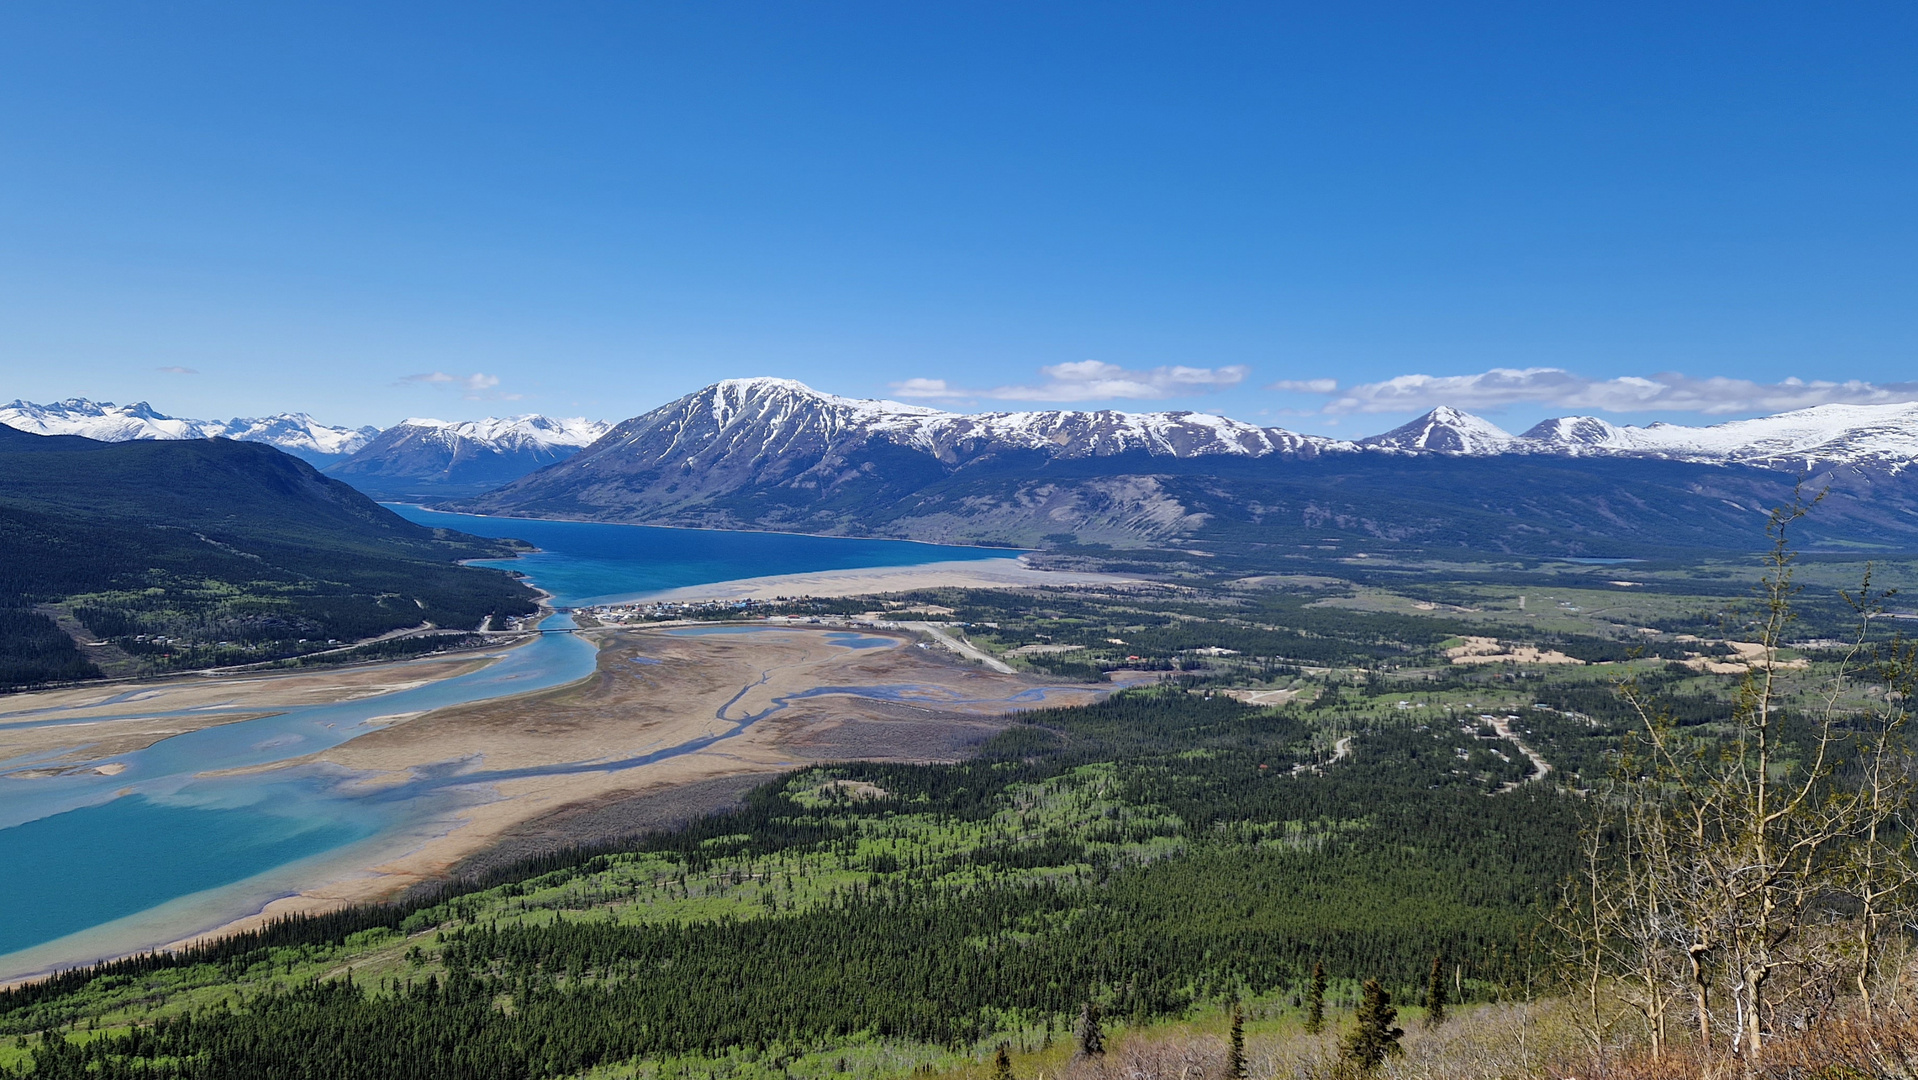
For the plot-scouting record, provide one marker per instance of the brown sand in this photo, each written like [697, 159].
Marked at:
[70, 724]
[974, 574]
[628, 708]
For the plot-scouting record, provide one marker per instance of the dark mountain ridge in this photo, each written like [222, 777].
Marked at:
[224, 551]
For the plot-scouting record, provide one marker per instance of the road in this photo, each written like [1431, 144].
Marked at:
[963, 648]
[1340, 751]
[1541, 767]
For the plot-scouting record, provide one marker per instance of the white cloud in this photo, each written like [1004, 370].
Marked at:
[928, 389]
[1305, 386]
[1666, 392]
[475, 385]
[1089, 380]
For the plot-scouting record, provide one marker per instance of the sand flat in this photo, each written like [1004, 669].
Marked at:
[967, 574]
[252, 691]
[551, 764]
[80, 724]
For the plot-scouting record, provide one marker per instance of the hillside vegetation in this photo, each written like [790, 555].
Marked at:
[192, 553]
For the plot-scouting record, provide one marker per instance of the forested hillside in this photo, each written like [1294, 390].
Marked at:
[183, 554]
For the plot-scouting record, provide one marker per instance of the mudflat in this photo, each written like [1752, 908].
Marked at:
[73, 727]
[672, 724]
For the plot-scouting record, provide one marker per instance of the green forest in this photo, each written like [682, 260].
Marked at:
[208, 552]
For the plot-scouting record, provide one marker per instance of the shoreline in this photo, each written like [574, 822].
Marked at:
[538, 801]
[1011, 572]
[710, 528]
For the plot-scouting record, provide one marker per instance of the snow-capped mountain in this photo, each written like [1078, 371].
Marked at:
[779, 414]
[426, 457]
[528, 432]
[780, 440]
[102, 420]
[296, 433]
[301, 435]
[773, 453]
[752, 434]
[1879, 437]
[1444, 430]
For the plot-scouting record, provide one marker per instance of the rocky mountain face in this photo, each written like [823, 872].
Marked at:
[296, 433]
[440, 459]
[1444, 430]
[772, 453]
[775, 453]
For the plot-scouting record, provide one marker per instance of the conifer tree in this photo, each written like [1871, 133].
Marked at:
[1092, 1037]
[1002, 1064]
[1374, 1039]
[1235, 1051]
[1435, 994]
[1315, 1000]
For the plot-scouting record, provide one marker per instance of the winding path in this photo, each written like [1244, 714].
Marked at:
[1541, 767]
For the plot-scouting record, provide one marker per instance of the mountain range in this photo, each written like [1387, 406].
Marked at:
[422, 458]
[773, 453]
[103, 421]
[776, 454]
[417, 456]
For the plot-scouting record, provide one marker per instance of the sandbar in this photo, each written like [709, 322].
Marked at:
[670, 725]
[85, 724]
[1014, 573]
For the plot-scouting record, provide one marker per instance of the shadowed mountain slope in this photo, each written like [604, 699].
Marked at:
[225, 550]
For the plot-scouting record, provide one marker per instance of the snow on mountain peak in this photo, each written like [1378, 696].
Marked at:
[1884, 436]
[530, 429]
[765, 412]
[1444, 430]
[296, 433]
[103, 420]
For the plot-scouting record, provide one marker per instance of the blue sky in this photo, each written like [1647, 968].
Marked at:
[1325, 216]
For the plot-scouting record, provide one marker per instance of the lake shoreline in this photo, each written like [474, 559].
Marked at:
[878, 580]
[557, 767]
[709, 528]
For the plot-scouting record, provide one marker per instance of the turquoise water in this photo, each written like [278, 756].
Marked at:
[582, 562]
[172, 844]
[61, 878]
[84, 849]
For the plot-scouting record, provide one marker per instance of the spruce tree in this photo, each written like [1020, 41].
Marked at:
[1374, 1038]
[1235, 1051]
[1435, 994]
[1315, 1000]
[1002, 1064]
[1092, 1037]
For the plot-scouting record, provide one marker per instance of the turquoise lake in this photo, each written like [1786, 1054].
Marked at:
[590, 562]
[97, 865]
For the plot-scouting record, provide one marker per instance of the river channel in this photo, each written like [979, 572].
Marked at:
[140, 848]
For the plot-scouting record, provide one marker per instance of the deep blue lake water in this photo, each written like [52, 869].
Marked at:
[93, 865]
[583, 562]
